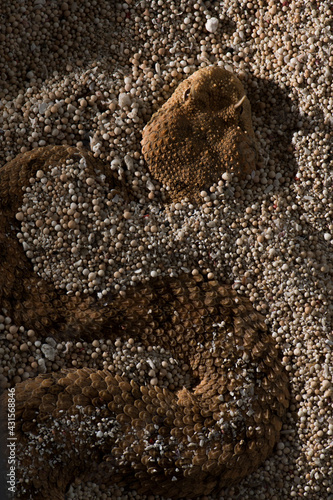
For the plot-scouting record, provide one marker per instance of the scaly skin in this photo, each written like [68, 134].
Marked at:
[202, 131]
[102, 426]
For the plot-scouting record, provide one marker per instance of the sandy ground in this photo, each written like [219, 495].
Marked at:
[92, 73]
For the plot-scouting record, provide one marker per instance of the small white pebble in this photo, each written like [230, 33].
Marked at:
[124, 100]
[212, 24]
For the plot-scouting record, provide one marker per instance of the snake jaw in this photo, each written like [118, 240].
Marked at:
[248, 153]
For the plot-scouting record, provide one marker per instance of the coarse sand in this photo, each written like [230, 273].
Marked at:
[91, 74]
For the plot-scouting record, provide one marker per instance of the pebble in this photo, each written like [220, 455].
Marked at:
[212, 25]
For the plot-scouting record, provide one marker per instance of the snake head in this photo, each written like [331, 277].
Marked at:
[202, 131]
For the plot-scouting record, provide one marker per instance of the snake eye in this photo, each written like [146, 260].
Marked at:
[239, 104]
[187, 93]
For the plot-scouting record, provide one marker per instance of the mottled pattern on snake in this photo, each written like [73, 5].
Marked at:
[202, 131]
[105, 426]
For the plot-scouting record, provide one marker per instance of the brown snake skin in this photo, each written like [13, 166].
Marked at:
[101, 426]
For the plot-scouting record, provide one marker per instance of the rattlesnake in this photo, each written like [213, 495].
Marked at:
[107, 426]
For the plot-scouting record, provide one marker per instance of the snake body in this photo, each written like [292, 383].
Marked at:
[181, 441]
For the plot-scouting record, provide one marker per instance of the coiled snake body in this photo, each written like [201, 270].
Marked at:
[101, 425]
